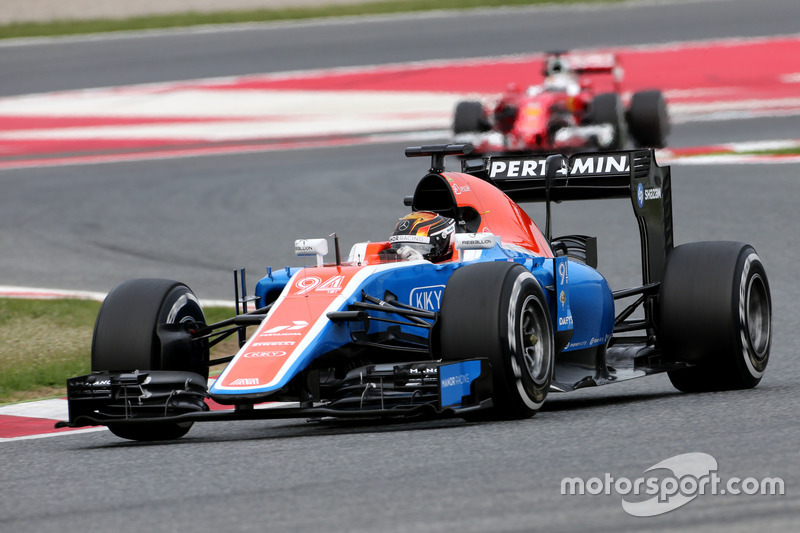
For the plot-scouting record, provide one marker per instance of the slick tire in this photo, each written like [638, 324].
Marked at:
[716, 314]
[470, 117]
[648, 120]
[498, 310]
[143, 325]
[138, 328]
[606, 108]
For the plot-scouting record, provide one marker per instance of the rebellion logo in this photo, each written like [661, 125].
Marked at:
[478, 242]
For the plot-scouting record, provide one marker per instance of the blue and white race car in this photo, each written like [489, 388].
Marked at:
[468, 310]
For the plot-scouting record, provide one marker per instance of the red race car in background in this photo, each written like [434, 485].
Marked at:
[565, 113]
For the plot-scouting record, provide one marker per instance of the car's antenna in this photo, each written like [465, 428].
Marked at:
[336, 248]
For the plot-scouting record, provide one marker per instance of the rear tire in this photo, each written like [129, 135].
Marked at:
[498, 310]
[648, 120]
[470, 117]
[126, 338]
[716, 313]
[606, 108]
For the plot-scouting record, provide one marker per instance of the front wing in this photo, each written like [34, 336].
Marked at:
[440, 389]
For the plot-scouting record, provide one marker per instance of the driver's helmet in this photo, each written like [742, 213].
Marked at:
[428, 233]
[559, 77]
[556, 65]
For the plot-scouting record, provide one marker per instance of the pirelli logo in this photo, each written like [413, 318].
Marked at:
[535, 167]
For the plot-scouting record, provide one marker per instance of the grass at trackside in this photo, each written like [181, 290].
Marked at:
[783, 151]
[778, 152]
[64, 27]
[43, 342]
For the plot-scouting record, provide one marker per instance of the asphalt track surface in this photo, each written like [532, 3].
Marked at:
[84, 222]
[194, 53]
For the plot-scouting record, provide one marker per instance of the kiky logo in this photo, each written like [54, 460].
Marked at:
[250, 355]
[427, 298]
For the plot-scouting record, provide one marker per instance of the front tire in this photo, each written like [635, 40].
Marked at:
[142, 325]
[498, 310]
[716, 313]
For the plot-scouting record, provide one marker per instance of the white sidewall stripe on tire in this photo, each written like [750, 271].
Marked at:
[512, 339]
[744, 332]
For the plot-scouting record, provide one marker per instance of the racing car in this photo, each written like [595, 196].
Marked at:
[468, 310]
[565, 113]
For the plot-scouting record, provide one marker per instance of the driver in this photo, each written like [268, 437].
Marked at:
[424, 235]
[559, 76]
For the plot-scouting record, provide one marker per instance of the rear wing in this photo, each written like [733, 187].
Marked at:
[598, 63]
[586, 64]
[630, 174]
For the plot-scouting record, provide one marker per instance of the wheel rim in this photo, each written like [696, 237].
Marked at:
[758, 317]
[535, 340]
[185, 309]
